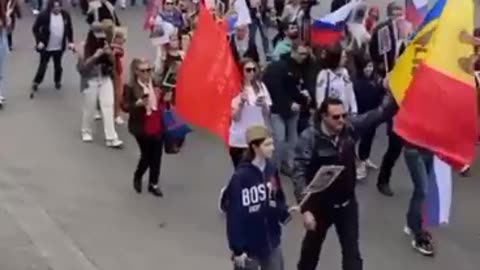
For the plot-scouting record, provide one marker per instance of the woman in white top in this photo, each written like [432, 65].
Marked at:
[334, 81]
[249, 108]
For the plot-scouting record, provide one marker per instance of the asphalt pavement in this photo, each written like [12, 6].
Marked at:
[67, 205]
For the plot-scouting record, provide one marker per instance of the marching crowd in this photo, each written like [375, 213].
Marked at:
[300, 107]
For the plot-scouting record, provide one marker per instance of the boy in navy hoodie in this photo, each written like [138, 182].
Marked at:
[256, 207]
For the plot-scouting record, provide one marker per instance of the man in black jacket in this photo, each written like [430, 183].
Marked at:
[283, 79]
[331, 141]
[395, 143]
[53, 34]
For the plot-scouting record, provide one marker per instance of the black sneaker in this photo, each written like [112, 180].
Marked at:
[58, 86]
[423, 244]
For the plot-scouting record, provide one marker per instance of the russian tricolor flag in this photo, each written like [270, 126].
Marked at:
[439, 194]
[416, 10]
[329, 30]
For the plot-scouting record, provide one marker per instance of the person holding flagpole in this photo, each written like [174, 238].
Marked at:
[331, 141]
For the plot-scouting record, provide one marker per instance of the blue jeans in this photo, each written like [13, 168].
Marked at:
[285, 137]
[420, 165]
[3, 58]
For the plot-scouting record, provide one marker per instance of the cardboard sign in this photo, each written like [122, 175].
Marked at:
[170, 78]
[384, 40]
[323, 179]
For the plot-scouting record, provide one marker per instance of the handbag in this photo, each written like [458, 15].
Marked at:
[175, 127]
[175, 131]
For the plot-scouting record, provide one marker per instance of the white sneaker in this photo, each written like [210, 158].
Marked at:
[98, 116]
[119, 120]
[123, 6]
[371, 165]
[35, 12]
[116, 143]
[361, 170]
[87, 137]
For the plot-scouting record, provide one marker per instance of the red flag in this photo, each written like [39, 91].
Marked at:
[208, 78]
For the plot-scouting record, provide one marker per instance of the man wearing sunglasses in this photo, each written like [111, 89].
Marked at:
[331, 141]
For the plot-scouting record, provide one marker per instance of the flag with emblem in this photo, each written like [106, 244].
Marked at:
[433, 83]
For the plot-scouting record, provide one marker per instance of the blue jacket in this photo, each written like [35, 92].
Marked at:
[256, 208]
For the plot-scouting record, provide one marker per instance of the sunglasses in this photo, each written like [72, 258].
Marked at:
[250, 69]
[145, 70]
[339, 116]
[168, 3]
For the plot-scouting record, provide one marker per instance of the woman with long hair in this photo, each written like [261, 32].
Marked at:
[146, 105]
[171, 61]
[250, 107]
[256, 206]
[334, 80]
[369, 93]
[4, 25]
[96, 67]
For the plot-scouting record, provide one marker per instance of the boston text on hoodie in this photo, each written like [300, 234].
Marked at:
[256, 208]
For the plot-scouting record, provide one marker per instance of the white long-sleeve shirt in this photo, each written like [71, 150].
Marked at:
[340, 86]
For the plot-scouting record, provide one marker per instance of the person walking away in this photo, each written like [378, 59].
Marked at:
[243, 46]
[4, 24]
[118, 41]
[15, 14]
[369, 94]
[283, 81]
[334, 81]
[257, 207]
[331, 141]
[96, 68]
[53, 34]
[146, 105]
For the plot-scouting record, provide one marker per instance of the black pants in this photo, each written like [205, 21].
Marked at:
[10, 40]
[236, 154]
[151, 150]
[42, 67]
[394, 150]
[345, 220]
[365, 145]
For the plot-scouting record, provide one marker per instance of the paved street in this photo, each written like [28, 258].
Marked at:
[67, 205]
